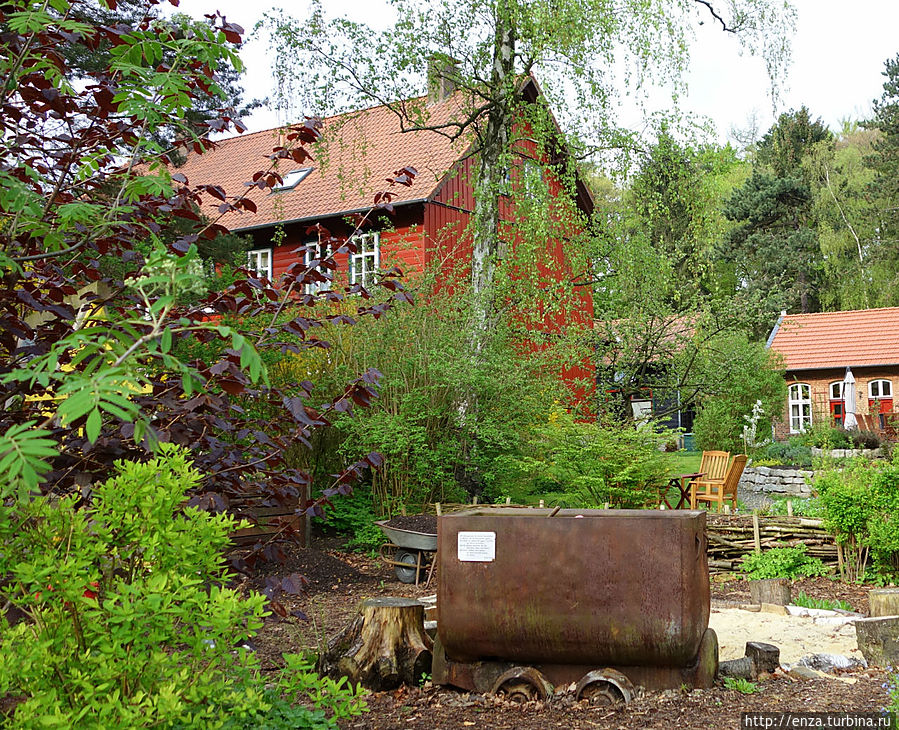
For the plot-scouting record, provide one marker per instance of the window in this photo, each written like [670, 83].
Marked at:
[364, 263]
[800, 404]
[315, 252]
[880, 399]
[291, 179]
[880, 389]
[837, 407]
[260, 261]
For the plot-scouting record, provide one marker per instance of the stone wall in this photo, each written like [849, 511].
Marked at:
[760, 485]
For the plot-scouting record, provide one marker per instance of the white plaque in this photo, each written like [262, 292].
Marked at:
[477, 547]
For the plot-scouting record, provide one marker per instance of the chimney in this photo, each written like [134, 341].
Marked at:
[443, 71]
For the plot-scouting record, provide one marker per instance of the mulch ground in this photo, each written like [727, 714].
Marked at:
[339, 582]
[735, 591]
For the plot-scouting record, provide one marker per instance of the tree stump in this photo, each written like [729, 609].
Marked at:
[773, 590]
[384, 646]
[883, 602]
[760, 658]
[878, 640]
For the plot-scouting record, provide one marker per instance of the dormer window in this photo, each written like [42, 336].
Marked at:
[292, 179]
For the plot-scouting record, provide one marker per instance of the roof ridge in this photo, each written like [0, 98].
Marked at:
[842, 311]
[349, 112]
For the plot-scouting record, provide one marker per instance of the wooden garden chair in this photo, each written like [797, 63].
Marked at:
[718, 492]
[713, 466]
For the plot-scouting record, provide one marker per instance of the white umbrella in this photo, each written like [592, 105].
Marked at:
[849, 419]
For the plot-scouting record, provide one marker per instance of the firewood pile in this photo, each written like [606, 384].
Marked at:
[732, 537]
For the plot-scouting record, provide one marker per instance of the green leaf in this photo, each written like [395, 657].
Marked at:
[24, 451]
[93, 425]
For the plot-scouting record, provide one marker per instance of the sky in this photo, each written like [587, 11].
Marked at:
[839, 51]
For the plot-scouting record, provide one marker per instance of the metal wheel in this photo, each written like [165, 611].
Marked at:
[404, 574]
[522, 684]
[605, 687]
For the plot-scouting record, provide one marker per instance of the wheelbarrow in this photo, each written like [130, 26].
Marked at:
[408, 552]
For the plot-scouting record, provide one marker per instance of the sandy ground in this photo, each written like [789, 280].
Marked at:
[795, 636]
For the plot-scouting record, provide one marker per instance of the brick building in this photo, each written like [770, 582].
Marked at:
[816, 350]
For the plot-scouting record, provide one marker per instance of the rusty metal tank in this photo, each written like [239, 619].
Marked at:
[578, 589]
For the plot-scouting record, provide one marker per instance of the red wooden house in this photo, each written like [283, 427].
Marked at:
[362, 149]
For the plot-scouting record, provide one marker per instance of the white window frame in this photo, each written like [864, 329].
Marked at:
[365, 262]
[291, 179]
[799, 405]
[314, 251]
[260, 260]
[836, 390]
[880, 383]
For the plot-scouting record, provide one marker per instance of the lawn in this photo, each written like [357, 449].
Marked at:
[683, 462]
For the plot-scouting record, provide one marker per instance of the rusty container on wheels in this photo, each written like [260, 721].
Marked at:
[571, 593]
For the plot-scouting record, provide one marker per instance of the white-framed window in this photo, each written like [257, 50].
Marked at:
[800, 405]
[364, 263]
[260, 261]
[880, 389]
[316, 251]
[836, 390]
[291, 179]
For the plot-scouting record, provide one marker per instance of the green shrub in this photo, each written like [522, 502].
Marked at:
[446, 423]
[807, 602]
[811, 507]
[747, 380]
[354, 516]
[785, 562]
[861, 508]
[590, 464]
[126, 622]
[791, 453]
[866, 440]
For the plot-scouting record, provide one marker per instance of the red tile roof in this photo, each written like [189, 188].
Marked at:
[363, 148]
[837, 339]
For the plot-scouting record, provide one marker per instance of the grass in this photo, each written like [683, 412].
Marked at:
[683, 462]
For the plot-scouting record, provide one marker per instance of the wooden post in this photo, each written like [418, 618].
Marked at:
[439, 509]
[756, 532]
[883, 602]
[789, 508]
[541, 504]
[508, 500]
[727, 509]
[474, 500]
[384, 646]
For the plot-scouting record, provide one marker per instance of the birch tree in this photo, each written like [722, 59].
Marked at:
[584, 52]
